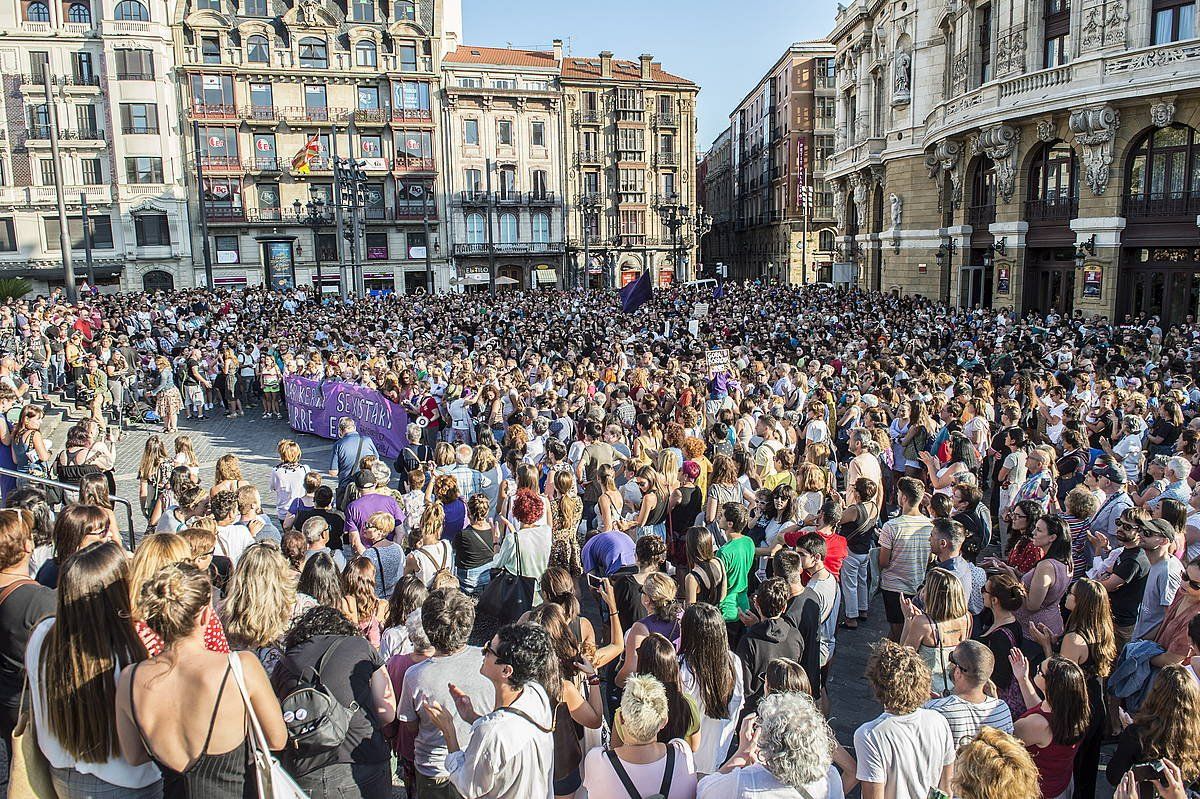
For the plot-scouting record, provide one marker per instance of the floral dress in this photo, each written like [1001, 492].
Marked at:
[565, 514]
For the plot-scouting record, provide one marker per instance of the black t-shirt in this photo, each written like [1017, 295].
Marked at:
[20, 612]
[334, 518]
[1133, 567]
[1108, 418]
[346, 674]
[472, 548]
[190, 367]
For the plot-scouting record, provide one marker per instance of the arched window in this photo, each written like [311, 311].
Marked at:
[258, 50]
[982, 210]
[79, 13]
[541, 228]
[406, 11]
[132, 11]
[1053, 183]
[313, 53]
[37, 12]
[825, 241]
[365, 54]
[508, 228]
[475, 231]
[1165, 164]
[158, 280]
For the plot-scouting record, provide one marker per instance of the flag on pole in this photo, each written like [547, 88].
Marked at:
[637, 293]
[302, 161]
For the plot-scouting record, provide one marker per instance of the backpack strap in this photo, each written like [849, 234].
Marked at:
[664, 789]
[13, 586]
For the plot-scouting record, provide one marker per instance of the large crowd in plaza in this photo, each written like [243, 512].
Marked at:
[606, 563]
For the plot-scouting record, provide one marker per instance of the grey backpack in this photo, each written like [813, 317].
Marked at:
[316, 721]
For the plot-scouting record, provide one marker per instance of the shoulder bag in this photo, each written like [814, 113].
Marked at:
[29, 771]
[508, 595]
[271, 778]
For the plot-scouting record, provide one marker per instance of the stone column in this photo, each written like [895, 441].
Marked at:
[1107, 233]
[1013, 261]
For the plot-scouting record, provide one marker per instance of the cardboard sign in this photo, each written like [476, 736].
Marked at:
[717, 360]
[700, 310]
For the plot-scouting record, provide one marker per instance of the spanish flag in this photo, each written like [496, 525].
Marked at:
[302, 160]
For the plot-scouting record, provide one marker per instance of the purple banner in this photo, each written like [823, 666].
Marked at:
[317, 408]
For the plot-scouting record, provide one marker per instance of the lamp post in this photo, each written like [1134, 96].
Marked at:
[674, 216]
[589, 211]
[349, 178]
[315, 218]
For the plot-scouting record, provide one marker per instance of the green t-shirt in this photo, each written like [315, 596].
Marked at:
[738, 557]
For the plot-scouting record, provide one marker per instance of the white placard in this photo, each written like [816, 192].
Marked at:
[718, 361]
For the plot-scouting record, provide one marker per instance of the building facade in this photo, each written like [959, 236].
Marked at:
[715, 195]
[629, 171]
[502, 122]
[111, 67]
[267, 80]
[781, 135]
[1029, 155]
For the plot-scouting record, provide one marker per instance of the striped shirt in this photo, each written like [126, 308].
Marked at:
[908, 539]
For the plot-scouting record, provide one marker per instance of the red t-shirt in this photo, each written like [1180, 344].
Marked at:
[836, 548]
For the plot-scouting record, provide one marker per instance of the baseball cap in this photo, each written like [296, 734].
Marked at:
[1111, 472]
[365, 479]
[691, 469]
[1159, 527]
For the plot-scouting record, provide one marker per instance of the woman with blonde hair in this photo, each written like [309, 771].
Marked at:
[227, 475]
[994, 765]
[943, 624]
[168, 402]
[652, 513]
[154, 553]
[287, 478]
[261, 602]
[154, 473]
[667, 463]
[359, 603]
[429, 553]
[72, 663]
[610, 503]
[663, 613]
[566, 512]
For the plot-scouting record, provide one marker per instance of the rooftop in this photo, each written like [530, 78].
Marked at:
[501, 56]
[621, 70]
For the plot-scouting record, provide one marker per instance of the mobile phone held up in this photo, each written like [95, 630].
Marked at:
[937, 793]
[1151, 771]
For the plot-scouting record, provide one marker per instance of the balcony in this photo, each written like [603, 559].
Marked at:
[126, 27]
[588, 157]
[412, 115]
[139, 130]
[1059, 209]
[666, 159]
[262, 164]
[981, 215]
[37, 195]
[589, 116]
[667, 119]
[473, 198]
[214, 111]
[407, 211]
[37, 81]
[631, 156]
[138, 76]
[261, 113]
[315, 114]
[542, 198]
[68, 135]
[406, 164]
[519, 248]
[224, 213]
[35, 27]
[221, 164]
[371, 116]
[1163, 206]
[508, 197]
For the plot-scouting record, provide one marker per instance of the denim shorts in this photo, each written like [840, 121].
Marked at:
[472, 581]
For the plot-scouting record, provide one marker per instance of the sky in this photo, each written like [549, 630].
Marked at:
[724, 47]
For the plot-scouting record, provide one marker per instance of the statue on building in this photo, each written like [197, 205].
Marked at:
[897, 209]
[902, 77]
[308, 11]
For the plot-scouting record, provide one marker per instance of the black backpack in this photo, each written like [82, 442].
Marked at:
[316, 721]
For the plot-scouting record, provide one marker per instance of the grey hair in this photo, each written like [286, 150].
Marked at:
[1179, 466]
[313, 529]
[416, 631]
[795, 743]
[863, 436]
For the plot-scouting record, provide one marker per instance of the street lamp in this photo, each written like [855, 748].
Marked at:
[1083, 250]
[674, 217]
[946, 252]
[315, 218]
[589, 211]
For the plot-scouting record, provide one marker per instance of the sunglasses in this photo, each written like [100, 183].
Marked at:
[488, 650]
[1193, 584]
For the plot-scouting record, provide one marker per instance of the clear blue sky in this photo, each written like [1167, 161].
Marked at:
[724, 47]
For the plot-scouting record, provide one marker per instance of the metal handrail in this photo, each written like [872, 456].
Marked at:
[69, 487]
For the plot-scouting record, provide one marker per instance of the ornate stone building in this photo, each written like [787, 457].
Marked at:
[263, 80]
[111, 66]
[715, 187]
[630, 132]
[1034, 155]
[781, 137]
[502, 111]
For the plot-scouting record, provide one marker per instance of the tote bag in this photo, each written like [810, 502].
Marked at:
[508, 595]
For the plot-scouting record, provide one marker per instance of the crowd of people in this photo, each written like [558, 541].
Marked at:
[619, 555]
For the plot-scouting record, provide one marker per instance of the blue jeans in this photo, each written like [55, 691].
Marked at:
[473, 581]
[71, 784]
[659, 530]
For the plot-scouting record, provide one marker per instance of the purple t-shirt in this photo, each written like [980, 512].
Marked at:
[361, 509]
[604, 553]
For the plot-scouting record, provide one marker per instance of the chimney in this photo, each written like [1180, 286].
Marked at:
[645, 59]
[557, 49]
[606, 64]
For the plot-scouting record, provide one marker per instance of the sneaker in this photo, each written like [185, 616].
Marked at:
[266, 416]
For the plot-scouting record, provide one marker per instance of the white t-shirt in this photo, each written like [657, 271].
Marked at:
[232, 540]
[816, 431]
[288, 484]
[906, 754]
[1129, 450]
[715, 734]
[1054, 431]
[755, 782]
[600, 778]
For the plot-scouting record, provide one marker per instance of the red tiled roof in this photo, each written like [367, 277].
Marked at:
[621, 70]
[501, 56]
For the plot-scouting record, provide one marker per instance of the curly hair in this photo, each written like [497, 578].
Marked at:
[795, 743]
[525, 648]
[898, 677]
[318, 620]
[260, 597]
[994, 765]
[527, 507]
